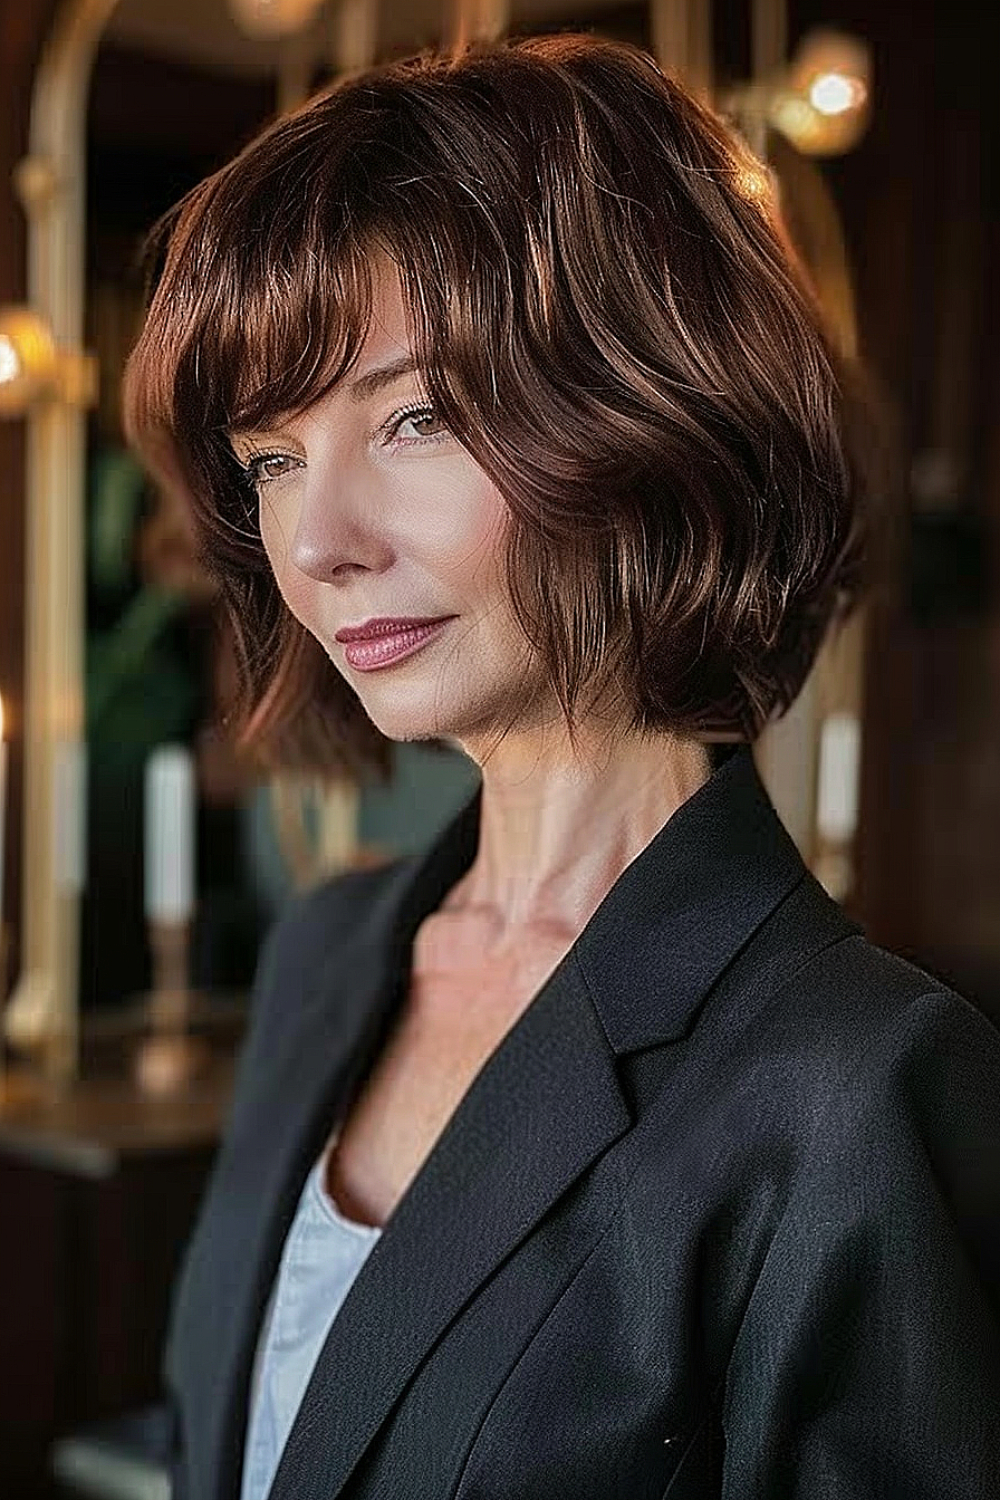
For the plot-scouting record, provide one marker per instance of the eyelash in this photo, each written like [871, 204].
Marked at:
[251, 468]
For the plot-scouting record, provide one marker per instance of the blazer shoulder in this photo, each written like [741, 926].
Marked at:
[860, 1043]
[879, 1283]
[857, 991]
[311, 926]
[884, 1052]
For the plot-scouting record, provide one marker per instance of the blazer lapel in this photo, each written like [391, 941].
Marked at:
[298, 1072]
[285, 1113]
[544, 1106]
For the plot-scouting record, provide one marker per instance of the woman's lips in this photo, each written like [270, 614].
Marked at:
[385, 625]
[381, 651]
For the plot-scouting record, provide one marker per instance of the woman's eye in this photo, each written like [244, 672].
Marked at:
[265, 467]
[418, 417]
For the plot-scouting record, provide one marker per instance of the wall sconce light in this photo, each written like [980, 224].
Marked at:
[269, 20]
[823, 102]
[820, 101]
[33, 369]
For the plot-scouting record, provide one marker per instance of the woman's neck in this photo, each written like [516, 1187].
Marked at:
[557, 828]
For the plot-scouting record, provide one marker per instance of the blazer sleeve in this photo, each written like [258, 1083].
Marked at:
[292, 955]
[867, 1364]
[276, 942]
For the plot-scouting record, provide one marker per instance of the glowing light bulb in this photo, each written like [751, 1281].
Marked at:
[823, 103]
[10, 369]
[28, 359]
[835, 93]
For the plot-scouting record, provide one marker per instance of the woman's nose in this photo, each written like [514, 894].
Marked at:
[334, 535]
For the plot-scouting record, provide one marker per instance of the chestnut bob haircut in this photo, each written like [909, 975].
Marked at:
[605, 313]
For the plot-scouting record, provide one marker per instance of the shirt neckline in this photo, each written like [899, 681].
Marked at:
[327, 1204]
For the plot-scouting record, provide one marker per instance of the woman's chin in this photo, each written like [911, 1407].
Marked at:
[405, 727]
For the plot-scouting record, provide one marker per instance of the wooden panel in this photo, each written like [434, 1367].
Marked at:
[34, 1304]
[86, 1270]
[22, 30]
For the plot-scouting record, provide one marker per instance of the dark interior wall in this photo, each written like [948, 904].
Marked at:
[155, 128]
[920, 199]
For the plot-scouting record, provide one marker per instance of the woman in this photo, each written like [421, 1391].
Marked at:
[594, 1153]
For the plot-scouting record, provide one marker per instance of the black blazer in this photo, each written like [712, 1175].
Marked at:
[720, 1215]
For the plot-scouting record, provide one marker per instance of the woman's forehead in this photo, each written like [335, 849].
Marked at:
[388, 332]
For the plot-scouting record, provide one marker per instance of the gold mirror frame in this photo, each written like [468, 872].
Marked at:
[51, 184]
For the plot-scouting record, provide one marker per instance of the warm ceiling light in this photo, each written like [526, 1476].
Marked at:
[268, 20]
[823, 53]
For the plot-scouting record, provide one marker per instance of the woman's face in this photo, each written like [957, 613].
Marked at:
[370, 509]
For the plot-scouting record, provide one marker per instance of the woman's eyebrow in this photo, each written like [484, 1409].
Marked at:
[362, 389]
[367, 385]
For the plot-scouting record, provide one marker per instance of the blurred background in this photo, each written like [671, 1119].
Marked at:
[130, 877]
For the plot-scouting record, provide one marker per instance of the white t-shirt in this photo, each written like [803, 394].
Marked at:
[322, 1255]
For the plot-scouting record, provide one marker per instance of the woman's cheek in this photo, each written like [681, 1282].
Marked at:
[294, 586]
[273, 535]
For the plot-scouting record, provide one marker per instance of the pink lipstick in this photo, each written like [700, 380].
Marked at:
[377, 643]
